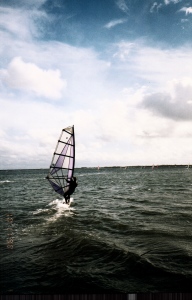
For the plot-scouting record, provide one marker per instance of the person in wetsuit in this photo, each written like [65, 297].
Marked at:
[72, 187]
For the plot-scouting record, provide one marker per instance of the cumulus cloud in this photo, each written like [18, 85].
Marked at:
[114, 23]
[29, 77]
[176, 105]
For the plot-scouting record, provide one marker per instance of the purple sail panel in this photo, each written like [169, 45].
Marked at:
[57, 188]
[60, 160]
[71, 160]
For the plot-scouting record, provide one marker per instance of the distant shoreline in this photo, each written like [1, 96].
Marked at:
[110, 167]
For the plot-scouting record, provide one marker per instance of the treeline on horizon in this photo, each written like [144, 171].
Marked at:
[139, 166]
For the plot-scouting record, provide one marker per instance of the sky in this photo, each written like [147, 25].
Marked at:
[120, 71]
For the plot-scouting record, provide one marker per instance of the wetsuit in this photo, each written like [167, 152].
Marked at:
[72, 187]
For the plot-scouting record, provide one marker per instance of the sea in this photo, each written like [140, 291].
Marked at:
[127, 230]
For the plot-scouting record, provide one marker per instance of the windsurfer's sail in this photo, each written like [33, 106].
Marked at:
[63, 162]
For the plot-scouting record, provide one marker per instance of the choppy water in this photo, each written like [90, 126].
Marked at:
[127, 230]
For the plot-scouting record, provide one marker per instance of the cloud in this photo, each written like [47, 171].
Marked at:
[29, 77]
[82, 68]
[122, 6]
[34, 3]
[170, 1]
[175, 105]
[102, 99]
[20, 23]
[124, 50]
[30, 130]
[117, 132]
[187, 10]
[114, 23]
[155, 7]
[152, 66]
[15, 22]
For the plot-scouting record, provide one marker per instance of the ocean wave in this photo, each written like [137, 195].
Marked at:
[6, 181]
[40, 211]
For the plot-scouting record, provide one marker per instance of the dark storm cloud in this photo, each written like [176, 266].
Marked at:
[176, 108]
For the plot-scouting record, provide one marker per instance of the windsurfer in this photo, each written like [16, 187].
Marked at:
[72, 186]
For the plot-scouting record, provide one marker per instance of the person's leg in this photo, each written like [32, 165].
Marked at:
[67, 198]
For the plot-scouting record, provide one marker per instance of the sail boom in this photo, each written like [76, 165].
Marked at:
[52, 168]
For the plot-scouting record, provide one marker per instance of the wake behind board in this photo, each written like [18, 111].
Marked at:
[61, 204]
[59, 209]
